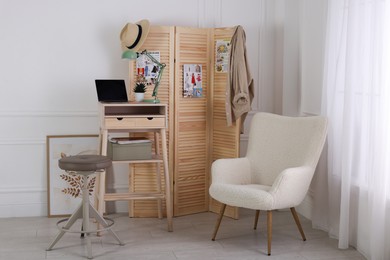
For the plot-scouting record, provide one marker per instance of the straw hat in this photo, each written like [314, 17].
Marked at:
[133, 35]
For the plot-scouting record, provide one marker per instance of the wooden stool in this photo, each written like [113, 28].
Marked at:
[84, 165]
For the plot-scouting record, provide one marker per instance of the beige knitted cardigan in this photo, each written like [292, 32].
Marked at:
[239, 90]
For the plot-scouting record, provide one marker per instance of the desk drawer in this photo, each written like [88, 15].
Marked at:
[134, 122]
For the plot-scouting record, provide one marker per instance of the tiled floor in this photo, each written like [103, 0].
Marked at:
[27, 238]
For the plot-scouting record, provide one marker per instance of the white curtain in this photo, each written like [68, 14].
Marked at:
[352, 197]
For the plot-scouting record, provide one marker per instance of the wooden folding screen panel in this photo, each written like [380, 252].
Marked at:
[192, 126]
[197, 133]
[225, 140]
[143, 177]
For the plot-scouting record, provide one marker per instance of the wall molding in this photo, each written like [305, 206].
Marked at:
[23, 141]
[201, 13]
[22, 189]
[217, 13]
[209, 14]
[261, 39]
[26, 113]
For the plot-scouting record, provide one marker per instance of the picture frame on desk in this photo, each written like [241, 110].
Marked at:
[63, 195]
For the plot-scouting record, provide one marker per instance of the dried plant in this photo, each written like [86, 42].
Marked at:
[76, 184]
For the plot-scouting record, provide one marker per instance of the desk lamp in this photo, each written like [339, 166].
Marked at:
[132, 55]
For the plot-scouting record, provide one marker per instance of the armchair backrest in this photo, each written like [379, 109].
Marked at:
[279, 142]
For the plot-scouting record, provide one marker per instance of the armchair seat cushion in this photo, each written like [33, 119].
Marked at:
[252, 196]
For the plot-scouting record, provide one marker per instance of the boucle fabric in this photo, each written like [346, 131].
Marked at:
[279, 165]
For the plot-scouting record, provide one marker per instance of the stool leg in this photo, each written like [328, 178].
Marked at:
[86, 216]
[76, 215]
[102, 222]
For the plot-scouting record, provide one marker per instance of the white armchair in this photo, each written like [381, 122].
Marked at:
[276, 172]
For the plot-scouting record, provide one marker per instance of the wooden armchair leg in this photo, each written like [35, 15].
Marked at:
[256, 219]
[222, 210]
[296, 218]
[269, 230]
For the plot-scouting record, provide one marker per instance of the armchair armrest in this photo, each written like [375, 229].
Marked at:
[231, 171]
[291, 186]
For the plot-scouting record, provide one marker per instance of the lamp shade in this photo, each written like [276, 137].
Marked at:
[130, 55]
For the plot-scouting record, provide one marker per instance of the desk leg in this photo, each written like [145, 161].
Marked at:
[102, 179]
[167, 180]
[158, 175]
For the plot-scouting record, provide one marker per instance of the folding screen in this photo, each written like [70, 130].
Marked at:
[143, 176]
[197, 133]
[225, 140]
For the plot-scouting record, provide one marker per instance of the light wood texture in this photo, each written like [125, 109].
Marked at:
[192, 126]
[296, 218]
[225, 141]
[160, 38]
[220, 216]
[131, 116]
[269, 226]
[197, 132]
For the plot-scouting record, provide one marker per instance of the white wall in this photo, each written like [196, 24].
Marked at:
[312, 43]
[291, 61]
[301, 42]
[303, 54]
[50, 53]
[269, 76]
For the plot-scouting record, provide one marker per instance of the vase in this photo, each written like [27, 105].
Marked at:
[139, 96]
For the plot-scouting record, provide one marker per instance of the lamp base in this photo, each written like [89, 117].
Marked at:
[155, 101]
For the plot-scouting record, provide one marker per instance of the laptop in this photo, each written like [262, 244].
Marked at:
[111, 90]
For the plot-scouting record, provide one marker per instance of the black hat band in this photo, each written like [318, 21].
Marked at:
[138, 38]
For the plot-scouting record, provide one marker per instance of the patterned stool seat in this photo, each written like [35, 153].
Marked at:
[88, 163]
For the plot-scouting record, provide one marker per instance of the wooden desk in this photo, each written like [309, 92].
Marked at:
[136, 117]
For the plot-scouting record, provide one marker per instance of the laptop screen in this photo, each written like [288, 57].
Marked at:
[111, 90]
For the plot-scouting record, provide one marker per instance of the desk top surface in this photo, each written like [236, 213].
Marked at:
[131, 103]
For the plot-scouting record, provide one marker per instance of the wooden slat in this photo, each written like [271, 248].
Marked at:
[143, 177]
[131, 196]
[197, 126]
[225, 140]
[191, 124]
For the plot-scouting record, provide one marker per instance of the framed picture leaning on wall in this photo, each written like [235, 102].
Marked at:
[63, 189]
